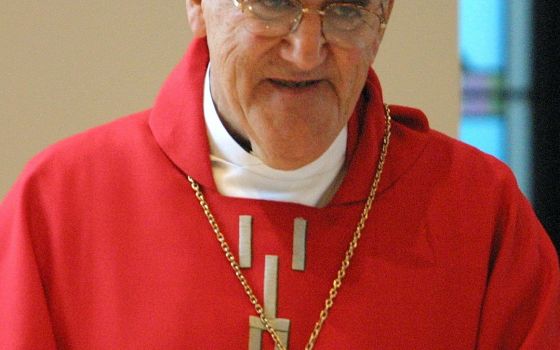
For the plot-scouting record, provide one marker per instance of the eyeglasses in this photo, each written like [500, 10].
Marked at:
[344, 24]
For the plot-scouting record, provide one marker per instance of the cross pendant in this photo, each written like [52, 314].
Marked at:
[280, 325]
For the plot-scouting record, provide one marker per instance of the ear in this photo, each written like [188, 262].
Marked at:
[196, 18]
[387, 9]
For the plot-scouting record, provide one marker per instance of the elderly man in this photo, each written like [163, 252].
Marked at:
[271, 199]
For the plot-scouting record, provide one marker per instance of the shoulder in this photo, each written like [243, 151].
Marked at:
[121, 132]
[444, 155]
[103, 142]
[89, 156]
[459, 188]
[461, 194]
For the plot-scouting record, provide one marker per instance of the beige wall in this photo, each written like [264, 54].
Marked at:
[69, 65]
[418, 64]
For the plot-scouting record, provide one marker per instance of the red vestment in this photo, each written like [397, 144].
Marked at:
[103, 244]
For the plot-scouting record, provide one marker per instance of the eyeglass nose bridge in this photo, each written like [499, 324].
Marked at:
[306, 10]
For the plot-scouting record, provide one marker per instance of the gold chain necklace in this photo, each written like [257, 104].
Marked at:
[337, 283]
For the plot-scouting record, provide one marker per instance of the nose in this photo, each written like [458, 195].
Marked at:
[305, 47]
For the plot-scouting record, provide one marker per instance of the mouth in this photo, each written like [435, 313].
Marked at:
[294, 84]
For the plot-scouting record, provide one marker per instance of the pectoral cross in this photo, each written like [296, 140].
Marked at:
[280, 325]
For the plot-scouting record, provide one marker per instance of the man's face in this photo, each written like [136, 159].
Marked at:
[288, 96]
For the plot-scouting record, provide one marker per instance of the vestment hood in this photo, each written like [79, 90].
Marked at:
[177, 123]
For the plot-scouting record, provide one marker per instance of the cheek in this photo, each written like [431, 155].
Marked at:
[249, 61]
[368, 51]
[355, 66]
[226, 54]
[364, 58]
[239, 64]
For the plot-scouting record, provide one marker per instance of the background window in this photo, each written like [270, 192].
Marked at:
[495, 46]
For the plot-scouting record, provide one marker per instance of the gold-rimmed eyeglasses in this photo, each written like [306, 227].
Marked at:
[347, 24]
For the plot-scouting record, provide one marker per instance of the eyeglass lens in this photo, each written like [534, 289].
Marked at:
[344, 24]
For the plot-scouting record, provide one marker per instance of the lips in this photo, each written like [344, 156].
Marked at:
[294, 83]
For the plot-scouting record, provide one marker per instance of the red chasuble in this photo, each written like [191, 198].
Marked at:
[103, 244]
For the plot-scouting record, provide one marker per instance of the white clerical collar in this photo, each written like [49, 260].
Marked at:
[238, 173]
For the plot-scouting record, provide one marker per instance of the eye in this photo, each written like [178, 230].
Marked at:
[273, 9]
[274, 5]
[345, 12]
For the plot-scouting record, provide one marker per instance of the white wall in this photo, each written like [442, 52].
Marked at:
[69, 65]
